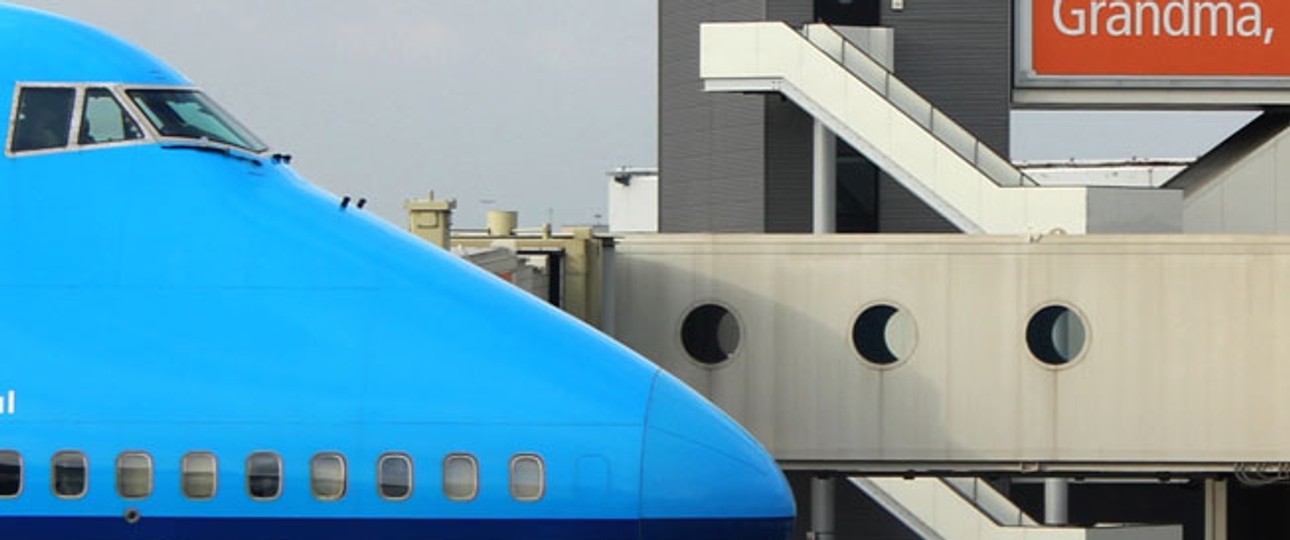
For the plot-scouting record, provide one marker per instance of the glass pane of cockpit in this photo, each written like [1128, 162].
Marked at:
[105, 120]
[44, 119]
[189, 114]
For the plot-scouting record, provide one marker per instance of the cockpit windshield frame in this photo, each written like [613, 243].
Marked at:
[226, 120]
[151, 134]
[12, 126]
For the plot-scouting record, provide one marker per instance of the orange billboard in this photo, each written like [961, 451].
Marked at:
[1123, 41]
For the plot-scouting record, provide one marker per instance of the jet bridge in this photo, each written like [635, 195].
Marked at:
[1033, 357]
[1176, 366]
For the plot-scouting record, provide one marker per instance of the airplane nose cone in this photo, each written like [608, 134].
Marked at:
[703, 476]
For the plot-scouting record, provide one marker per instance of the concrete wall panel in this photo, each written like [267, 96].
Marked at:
[1244, 186]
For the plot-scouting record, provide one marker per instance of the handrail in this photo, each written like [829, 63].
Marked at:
[991, 503]
[910, 103]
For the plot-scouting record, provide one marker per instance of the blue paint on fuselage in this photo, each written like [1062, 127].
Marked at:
[396, 529]
[169, 299]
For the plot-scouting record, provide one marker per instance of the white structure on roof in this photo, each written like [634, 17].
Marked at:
[633, 200]
[1237, 187]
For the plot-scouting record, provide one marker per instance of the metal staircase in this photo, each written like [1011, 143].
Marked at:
[921, 147]
[970, 509]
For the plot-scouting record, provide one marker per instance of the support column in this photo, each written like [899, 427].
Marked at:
[1056, 501]
[1215, 509]
[823, 507]
[825, 176]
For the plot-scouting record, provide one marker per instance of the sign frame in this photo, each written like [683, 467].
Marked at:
[1025, 76]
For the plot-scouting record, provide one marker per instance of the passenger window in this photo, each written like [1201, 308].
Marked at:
[70, 471]
[44, 119]
[198, 476]
[395, 474]
[460, 477]
[528, 477]
[264, 475]
[10, 474]
[328, 476]
[134, 475]
[105, 120]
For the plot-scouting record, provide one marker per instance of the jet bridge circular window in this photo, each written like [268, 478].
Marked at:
[884, 334]
[1056, 335]
[710, 334]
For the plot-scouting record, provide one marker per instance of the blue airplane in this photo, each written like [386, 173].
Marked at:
[196, 343]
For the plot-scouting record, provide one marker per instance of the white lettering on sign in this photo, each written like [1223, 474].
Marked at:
[1172, 18]
[8, 402]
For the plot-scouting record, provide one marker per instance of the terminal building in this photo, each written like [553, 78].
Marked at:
[934, 341]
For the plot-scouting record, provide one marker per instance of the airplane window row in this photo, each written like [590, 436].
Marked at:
[329, 476]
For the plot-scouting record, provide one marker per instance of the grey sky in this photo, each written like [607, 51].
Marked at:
[1061, 135]
[522, 103]
[526, 103]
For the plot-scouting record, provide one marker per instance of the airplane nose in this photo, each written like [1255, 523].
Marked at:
[703, 476]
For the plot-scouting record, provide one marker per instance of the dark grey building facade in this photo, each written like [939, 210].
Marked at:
[742, 163]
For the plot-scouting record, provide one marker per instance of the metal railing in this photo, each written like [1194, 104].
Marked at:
[910, 103]
[990, 502]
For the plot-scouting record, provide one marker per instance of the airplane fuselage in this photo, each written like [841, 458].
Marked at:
[195, 342]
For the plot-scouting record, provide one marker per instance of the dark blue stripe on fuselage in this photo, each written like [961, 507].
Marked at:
[85, 528]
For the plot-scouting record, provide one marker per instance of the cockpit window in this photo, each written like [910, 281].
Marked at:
[189, 114]
[44, 119]
[105, 120]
